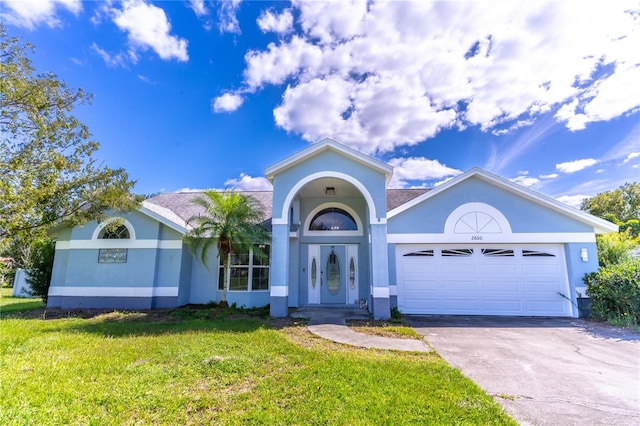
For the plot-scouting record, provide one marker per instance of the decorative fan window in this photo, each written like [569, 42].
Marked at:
[535, 253]
[457, 252]
[498, 253]
[477, 222]
[424, 253]
[333, 219]
[120, 232]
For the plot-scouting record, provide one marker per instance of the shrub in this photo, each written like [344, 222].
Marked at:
[615, 292]
[41, 267]
[614, 248]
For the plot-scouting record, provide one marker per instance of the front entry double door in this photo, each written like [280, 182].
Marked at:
[332, 273]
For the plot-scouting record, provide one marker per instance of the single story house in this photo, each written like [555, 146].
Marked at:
[478, 244]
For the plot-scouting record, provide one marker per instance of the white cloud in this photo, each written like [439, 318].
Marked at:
[281, 23]
[31, 13]
[549, 176]
[117, 60]
[187, 189]
[528, 181]
[248, 183]
[403, 71]
[148, 27]
[227, 102]
[572, 200]
[576, 165]
[418, 169]
[227, 19]
[198, 7]
[630, 157]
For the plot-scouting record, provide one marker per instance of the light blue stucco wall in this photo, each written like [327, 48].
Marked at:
[524, 216]
[330, 161]
[77, 266]
[576, 267]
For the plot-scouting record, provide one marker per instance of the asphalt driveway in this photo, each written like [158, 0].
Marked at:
[544, 371]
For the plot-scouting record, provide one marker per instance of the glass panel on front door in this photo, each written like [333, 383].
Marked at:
[314, 273]
[333, 274]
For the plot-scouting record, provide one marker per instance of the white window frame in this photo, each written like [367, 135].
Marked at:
[312, 214]
[250, 266]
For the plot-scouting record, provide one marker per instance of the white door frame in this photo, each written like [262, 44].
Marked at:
[313, 292]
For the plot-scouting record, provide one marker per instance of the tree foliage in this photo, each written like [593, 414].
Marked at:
[41, 267]
[49, 174]
[613, 248]
[230, 222]
[620, 206]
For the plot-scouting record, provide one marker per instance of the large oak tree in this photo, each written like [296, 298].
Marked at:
[48, 174]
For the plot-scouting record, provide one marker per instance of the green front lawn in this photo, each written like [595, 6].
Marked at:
[16, 304]
[185, 367]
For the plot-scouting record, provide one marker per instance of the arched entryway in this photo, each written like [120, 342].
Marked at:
[329, 203]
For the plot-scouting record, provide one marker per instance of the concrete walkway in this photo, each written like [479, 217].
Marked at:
[331, 324]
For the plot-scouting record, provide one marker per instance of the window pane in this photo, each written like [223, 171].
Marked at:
[221, 279]
[333, 219]
[260, 280]
[114, 233]
[535, 253]
[427, 253]
[266, 249]
[457, 252]
[239, 280]
[240, 259]
[498, 252]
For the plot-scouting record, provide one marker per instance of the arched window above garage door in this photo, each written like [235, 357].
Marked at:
[477, 218]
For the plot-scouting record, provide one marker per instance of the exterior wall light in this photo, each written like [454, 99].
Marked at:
[584, 255]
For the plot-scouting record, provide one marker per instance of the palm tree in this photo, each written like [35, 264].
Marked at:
[231, 221]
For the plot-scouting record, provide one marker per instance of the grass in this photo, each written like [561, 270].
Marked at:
[16, 304]
[384, 329]
[212, 366]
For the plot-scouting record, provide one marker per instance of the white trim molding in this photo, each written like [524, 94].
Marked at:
[125, 222]
[118, 243]
[279, 291]
[284, 215]
[113, 291]
[600, 226]
[380, 292]
[328, 144]
[543, 237]
[477, 215]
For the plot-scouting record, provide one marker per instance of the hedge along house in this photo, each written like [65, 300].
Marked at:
[478, 244]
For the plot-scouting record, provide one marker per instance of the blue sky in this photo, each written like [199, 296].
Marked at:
[202, 94]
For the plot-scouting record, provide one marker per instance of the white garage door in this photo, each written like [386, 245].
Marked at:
[482, 280]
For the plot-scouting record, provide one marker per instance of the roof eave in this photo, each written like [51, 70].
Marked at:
[328, 144]
[600, 226]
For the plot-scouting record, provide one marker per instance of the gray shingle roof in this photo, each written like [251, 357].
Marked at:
[180, 203]
[397, 197]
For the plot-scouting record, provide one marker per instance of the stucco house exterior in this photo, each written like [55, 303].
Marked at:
[478, 244]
